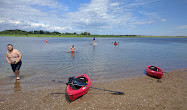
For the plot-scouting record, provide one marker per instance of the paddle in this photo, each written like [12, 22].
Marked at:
[58, 81]
[114, 92]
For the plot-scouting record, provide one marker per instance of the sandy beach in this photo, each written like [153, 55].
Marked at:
[141, 93]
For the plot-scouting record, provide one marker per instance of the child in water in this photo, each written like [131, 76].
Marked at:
[72, 49]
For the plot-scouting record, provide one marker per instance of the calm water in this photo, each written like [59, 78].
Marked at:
[43, 62]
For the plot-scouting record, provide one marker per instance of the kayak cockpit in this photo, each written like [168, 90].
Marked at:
[77, 83]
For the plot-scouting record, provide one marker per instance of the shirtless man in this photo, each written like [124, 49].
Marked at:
[13, 57]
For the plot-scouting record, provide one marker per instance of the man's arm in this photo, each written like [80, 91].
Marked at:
[7, 59]
[19, 56]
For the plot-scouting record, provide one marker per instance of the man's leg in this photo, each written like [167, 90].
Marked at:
[18, 65]
[17, 74]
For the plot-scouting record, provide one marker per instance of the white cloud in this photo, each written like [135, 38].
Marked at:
[10, 21]
[163, 20]
[144, 22]
[95, 17]
[115, 4]
[49, 27]
[139, 3]
[105, 14]
[28, 14]
[182, 27]
[20, 3]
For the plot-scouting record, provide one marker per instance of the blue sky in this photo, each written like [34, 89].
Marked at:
[140, 17]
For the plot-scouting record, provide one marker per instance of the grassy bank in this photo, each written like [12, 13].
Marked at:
[60, 35]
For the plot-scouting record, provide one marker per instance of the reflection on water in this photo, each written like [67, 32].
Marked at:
[73, 56]
[17, 86]
[93, 48]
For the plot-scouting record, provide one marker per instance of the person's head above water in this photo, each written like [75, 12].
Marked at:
[10, 47]
[72, 46]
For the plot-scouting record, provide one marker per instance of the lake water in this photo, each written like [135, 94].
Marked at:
[44, 62]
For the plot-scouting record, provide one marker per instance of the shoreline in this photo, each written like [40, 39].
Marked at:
[90, 36]
[12, 85]
[145, 93]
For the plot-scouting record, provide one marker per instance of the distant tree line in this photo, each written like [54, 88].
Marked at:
[22, 32]
[17, 31]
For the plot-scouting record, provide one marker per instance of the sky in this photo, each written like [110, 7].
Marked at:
[104, 17]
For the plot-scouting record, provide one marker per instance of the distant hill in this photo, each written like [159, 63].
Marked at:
[21, 32]
[16, 31]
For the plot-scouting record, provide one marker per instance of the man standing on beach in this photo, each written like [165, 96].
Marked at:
[13, 57]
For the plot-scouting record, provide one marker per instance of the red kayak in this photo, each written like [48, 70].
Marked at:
[75, 91]
[154, 71]
[115, 44]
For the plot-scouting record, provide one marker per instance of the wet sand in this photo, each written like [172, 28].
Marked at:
[141, 93]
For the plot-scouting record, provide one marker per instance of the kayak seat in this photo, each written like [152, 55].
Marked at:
[81, 79]
[78, 81]
[153, 68]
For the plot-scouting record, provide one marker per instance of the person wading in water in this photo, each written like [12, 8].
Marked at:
[94, 41]
[13, 57]
[72, 50]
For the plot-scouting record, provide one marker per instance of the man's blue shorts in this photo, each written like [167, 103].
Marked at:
[16, 66]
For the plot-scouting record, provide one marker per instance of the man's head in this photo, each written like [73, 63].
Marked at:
[10, 47]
